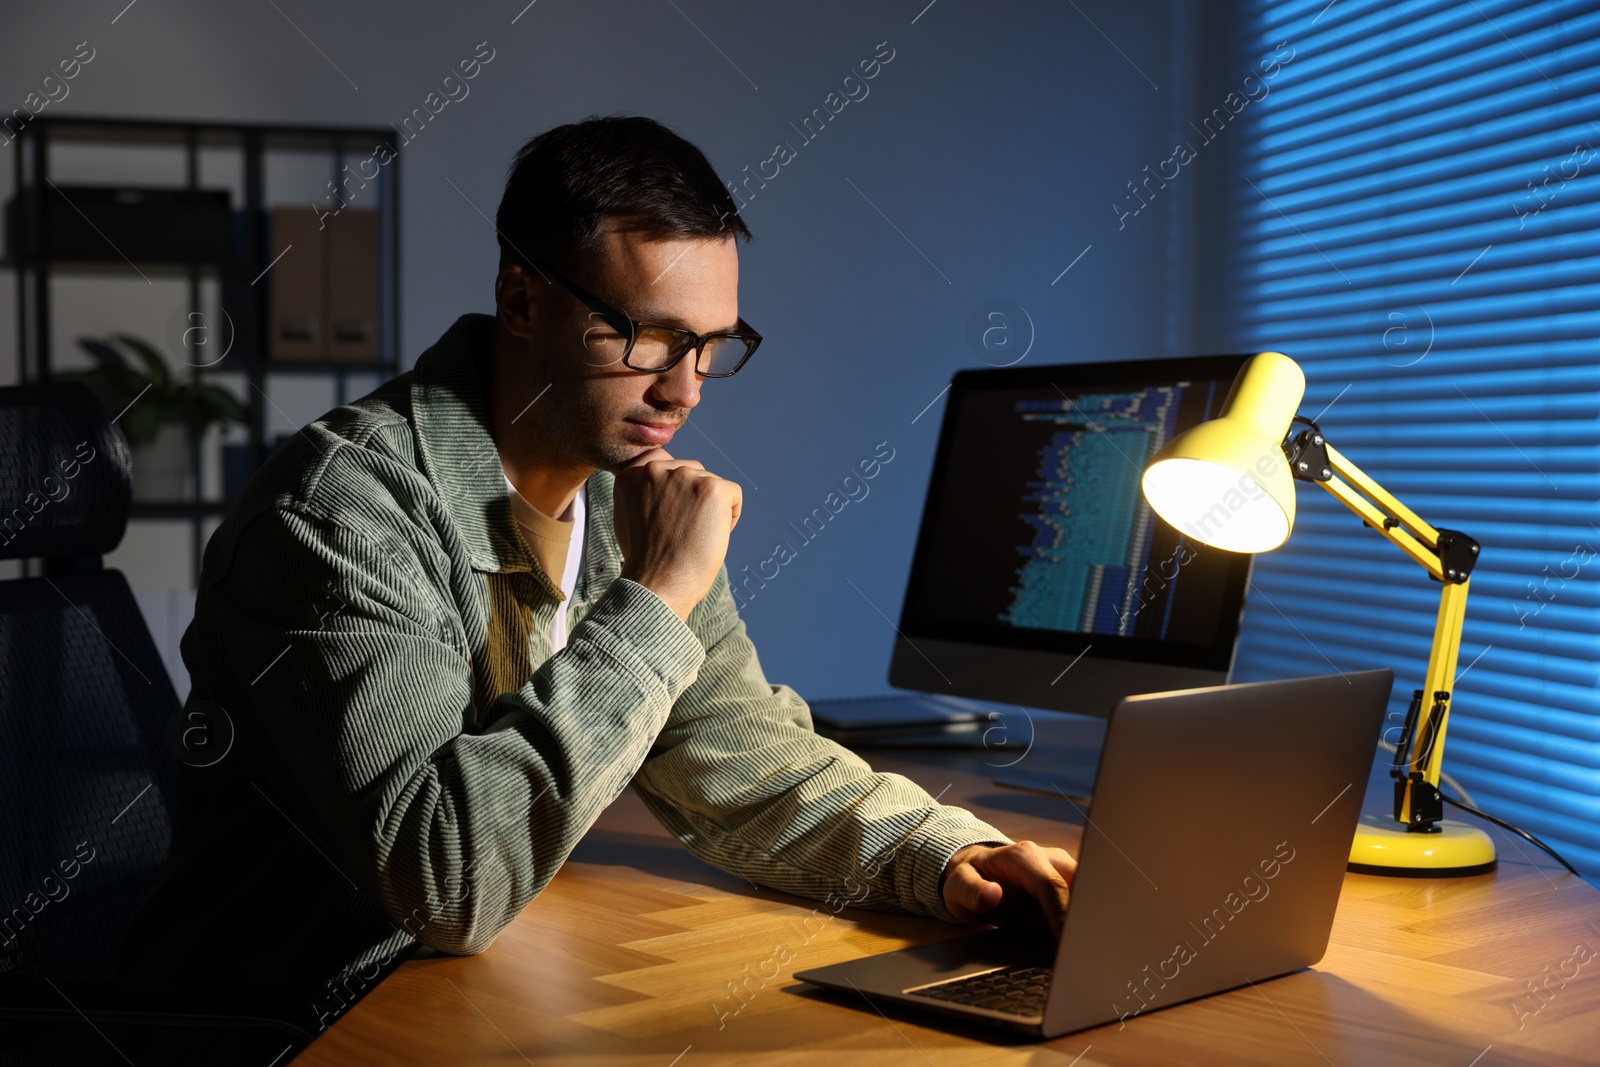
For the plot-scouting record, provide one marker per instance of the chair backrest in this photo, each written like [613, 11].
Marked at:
[86, 707]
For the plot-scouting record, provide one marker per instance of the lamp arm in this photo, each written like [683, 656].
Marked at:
[1449, 557]
[1402, 526]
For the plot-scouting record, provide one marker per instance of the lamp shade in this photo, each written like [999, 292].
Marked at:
[1226, 482]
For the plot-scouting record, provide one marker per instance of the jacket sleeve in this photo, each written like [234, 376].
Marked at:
[351, 683]
[740, 777]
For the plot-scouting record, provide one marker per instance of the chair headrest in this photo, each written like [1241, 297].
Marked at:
[65, 478]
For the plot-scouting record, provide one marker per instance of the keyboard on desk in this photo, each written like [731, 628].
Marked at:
[1012, 990]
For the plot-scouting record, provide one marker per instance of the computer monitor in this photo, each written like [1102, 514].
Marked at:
[1040, 576]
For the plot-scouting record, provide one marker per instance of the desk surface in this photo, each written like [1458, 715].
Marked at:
[628, 955]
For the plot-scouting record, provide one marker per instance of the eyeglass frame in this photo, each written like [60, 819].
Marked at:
[616, 318]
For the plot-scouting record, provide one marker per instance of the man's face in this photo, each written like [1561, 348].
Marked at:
[600, 412]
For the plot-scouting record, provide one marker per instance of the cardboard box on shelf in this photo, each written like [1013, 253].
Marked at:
[325, 290]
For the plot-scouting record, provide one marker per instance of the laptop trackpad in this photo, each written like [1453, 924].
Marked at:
[893, 972]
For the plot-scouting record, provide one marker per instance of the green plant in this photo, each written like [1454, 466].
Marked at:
[147, 393]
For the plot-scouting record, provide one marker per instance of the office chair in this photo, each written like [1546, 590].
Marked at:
[88, 758]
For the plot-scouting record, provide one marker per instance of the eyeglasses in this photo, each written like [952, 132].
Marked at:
[654, 347]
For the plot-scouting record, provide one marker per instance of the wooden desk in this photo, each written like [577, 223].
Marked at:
[629, 955]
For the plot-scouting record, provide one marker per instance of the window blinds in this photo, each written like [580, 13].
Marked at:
[1417, 223]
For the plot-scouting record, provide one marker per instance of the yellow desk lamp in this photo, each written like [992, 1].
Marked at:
[1230, 483]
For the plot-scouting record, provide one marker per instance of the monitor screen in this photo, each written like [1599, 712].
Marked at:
[1035, 536]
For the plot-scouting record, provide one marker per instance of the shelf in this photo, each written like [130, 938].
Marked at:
[326, 366]
[122, 131]
[158, 267]
[233, 266]
[178, 509]
[209, 134]
[237, 363]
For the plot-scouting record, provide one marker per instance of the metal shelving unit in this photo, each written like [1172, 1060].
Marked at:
[247, 303]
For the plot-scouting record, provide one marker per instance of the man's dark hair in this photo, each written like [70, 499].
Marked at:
[566, 182]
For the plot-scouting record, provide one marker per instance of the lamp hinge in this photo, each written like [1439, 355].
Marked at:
[1307, 453]
[1458, 554]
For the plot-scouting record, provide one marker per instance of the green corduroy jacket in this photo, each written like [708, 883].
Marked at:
[410, 763]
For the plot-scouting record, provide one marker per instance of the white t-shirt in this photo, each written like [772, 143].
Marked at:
[568, 582]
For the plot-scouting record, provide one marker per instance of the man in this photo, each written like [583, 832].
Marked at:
[452, 621]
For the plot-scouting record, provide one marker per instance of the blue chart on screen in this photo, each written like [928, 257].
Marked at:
[1083, 569]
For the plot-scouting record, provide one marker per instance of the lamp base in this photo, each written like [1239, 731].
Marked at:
[1384, 846]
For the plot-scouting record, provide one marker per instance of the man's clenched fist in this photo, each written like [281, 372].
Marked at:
[673, 518]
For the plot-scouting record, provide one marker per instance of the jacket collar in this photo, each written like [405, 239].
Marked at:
[458, 454]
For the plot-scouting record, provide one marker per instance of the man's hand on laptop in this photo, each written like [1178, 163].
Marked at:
[1009, 884]
[673, 518]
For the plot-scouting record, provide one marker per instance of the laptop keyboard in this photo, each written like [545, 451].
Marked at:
[1013, 990]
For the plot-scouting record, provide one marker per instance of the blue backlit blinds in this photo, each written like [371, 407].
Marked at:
[1416, 220]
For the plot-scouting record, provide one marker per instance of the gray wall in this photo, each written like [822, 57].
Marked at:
[982, 161]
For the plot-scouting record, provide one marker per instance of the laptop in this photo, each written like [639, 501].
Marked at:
[1212, 857]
